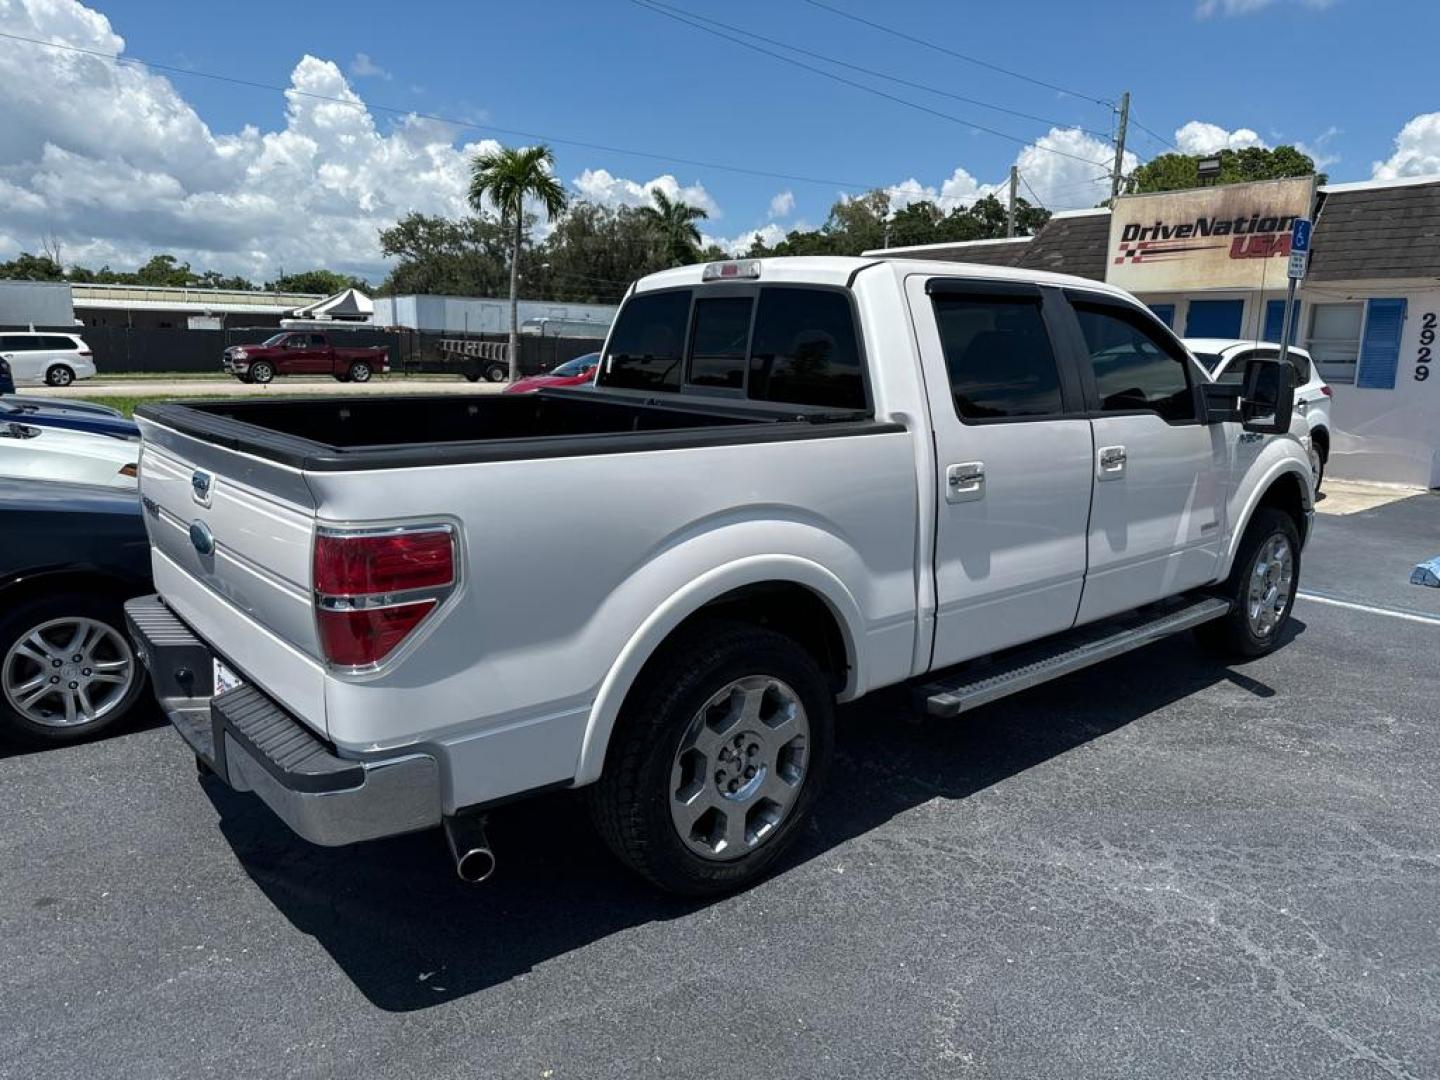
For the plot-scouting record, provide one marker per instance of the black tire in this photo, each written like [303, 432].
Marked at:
[17, 623]
[497, 373]
[630, 804]
[472, 376]
[59, 375]
[359, 372]
[342, 376]
[1322, 448]
[261, 372]
[1234, 634]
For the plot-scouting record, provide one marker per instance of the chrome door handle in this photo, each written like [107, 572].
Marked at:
[1112, 462]
[965, 482]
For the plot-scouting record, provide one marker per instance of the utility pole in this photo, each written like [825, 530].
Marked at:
[1115, 176]
[1010, 209]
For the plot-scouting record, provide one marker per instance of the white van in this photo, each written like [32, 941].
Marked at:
[38, 357]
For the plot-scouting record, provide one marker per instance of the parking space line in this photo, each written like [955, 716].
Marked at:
[1394, 613]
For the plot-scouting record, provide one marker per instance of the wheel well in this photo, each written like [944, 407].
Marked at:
[1321, 438]
[1286, 495]
[789, 609]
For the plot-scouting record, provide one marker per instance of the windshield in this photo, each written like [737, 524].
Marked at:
[578, 366]
[275, 339]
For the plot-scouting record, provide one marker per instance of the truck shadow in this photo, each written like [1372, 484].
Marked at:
[410, 935]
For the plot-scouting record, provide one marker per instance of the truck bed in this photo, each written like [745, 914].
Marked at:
[378, 432]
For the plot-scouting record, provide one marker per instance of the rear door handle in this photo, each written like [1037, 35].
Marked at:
[965, 482]
[1111, 462]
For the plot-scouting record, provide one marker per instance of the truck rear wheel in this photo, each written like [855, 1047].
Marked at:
[359, 371]
[1261, 588]
[497, 373]
[717, 758]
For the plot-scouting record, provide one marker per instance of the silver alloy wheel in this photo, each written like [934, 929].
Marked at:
[60, 376]
[261, 373]
[360, 373]
[68, 672]
[1271, 578]
[739, 767]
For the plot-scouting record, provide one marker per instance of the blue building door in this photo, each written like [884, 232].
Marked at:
[1214, 318]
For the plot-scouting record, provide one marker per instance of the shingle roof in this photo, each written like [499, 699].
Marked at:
[987, 254]
[1070, 244]
[1378, 232]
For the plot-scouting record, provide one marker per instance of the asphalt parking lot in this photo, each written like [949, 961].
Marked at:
[1159, 867]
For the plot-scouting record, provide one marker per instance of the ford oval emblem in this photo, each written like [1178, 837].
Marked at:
[202, 538]
[200, 483]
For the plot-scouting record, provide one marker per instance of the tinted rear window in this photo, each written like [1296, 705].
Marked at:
[57, 343]
[648, 342]
[805, 350]
[999, 357]
[718, 342]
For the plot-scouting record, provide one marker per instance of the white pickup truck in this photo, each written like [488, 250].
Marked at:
[793, 482]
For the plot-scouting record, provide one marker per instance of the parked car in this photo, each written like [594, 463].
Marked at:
[29, 450]
[304, 352]
[72, 554]
[794, 482]
[574, 372]
[1225, 360]
[38, 412]
[7, 380]
[46, 358]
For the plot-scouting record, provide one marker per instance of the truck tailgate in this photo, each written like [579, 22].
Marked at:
[231, 548]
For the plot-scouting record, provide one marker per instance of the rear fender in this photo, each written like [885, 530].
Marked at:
[681, 604]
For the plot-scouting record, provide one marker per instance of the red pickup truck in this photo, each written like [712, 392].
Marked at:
[304, 352]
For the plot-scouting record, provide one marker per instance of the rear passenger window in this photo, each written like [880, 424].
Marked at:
[999, 357]
[718, 341]
[648, 342]
[62, 343]
[1134, 368]
[805, 351]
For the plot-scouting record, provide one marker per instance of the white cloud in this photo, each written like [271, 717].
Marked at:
[1204, 9]
[782, 204]
[112, 160]
[1316, 150]
[601, 186]
[1068, 169]
[1417, 150]
[1198, 137]
[958, 191]
[771, 234]
[362, 67]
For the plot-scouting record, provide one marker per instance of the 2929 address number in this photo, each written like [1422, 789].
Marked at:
[1427, 344]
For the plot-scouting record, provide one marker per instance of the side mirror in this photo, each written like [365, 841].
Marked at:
[1267, 398]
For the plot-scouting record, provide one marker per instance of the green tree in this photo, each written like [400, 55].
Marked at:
[507, 177]
[594, 253]
[165, 270]
[673, 223]
[1179, 172]
[27, 267]
[446, 257]
[326, 282]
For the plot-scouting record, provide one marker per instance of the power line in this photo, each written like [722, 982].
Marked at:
[957, 55]
[1157, 137]
[859, 85]
[1031, 190]
[872, 72]
[465, 125]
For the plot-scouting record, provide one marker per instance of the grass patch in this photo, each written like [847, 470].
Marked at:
[127, 404]
[165, 376]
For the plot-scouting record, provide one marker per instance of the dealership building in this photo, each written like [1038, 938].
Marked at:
[1210, 262]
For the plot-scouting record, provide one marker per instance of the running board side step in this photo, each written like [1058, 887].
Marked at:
[1019, 669]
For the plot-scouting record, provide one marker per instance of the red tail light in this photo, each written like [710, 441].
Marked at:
[1325, 389]
[374, 587]
[86, 352]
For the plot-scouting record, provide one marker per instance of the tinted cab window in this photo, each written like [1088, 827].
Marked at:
[999, 357]
[1135, 368]
[805, 350]
[648, 342]
[718, 342]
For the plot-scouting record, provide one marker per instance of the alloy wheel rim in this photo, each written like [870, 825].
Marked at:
[360, 374]
[68, 672]
[1315, 464]
[1271, 579]
[739, 768]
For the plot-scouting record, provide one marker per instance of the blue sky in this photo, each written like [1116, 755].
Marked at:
[1334, 77]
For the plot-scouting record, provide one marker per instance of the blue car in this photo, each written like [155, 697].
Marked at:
[43, 413]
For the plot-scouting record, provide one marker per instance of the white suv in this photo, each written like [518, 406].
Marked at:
[37, 357]
[1225, 358]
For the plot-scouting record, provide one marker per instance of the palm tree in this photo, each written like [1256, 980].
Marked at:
[509, 177]
[674, 224]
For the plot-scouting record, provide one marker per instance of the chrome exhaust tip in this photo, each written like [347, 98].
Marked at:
[469, 847]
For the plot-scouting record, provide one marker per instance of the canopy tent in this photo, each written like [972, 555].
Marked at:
[350, 305]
